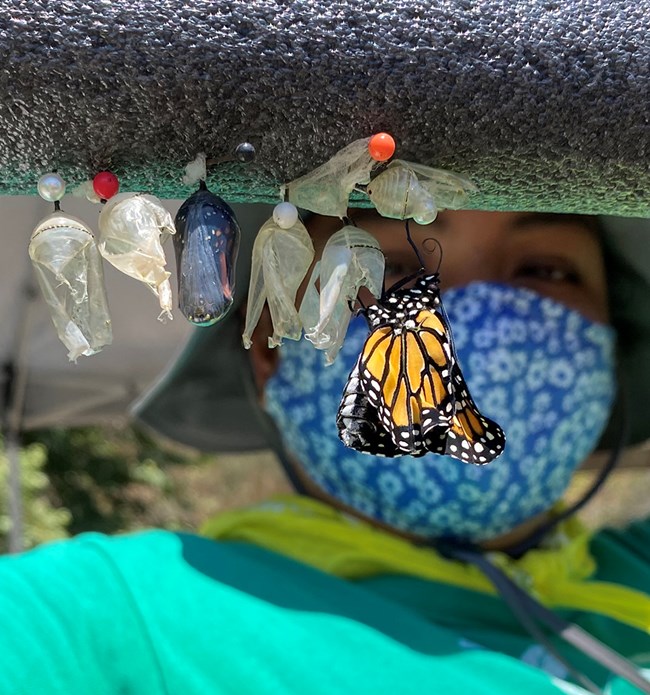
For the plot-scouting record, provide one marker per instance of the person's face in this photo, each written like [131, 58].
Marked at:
[558, 256]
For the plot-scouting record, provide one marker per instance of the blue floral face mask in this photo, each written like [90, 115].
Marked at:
[544, 372]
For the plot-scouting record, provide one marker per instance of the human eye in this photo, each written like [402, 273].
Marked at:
[549, 269]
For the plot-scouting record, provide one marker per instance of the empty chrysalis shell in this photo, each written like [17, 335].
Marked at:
[405, 190]
[70, 273]
[451, 191]
[281, 259]
[206, 244]
[397, 193]
[352, 258]
[132, 230]
[326, 190]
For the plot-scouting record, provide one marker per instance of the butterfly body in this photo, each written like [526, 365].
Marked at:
[406, 394]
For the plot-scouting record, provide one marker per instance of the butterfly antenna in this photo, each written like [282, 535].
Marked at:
[409, 278]
[426, 244]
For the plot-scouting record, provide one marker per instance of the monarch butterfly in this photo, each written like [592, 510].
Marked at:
[406, 394]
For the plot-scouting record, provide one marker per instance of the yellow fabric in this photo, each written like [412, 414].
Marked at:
[319, 535]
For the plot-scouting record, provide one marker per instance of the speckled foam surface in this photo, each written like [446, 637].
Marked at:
[543, 104]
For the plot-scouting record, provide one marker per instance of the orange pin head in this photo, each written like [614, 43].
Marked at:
[381, 147]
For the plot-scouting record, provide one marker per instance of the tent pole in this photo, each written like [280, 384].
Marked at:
[17, 530]
[14, 406]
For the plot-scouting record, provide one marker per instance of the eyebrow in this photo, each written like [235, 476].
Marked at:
[531, 219]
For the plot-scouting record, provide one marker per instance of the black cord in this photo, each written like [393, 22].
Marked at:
[503, 585]
[520, 602]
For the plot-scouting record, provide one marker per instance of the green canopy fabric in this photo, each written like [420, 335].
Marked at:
[542, 104]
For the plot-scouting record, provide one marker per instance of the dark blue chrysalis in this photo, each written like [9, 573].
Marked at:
[206, 244]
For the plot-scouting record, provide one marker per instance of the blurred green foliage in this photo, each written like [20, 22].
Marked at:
[113, 480]
[106, 478]
[95, 479]
[42, 520]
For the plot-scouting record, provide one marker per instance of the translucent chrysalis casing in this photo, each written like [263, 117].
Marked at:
[326, 190]
[406, 190]
[351, 259]
[206, 243]
[281, 259]
[132, 230]
[69, 270]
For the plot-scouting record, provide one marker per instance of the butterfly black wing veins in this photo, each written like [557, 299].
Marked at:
[406, 394]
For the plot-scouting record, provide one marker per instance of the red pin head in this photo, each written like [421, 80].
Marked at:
[381, 147]
[106, 184]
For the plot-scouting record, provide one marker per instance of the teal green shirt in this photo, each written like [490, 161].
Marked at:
[160, 612]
